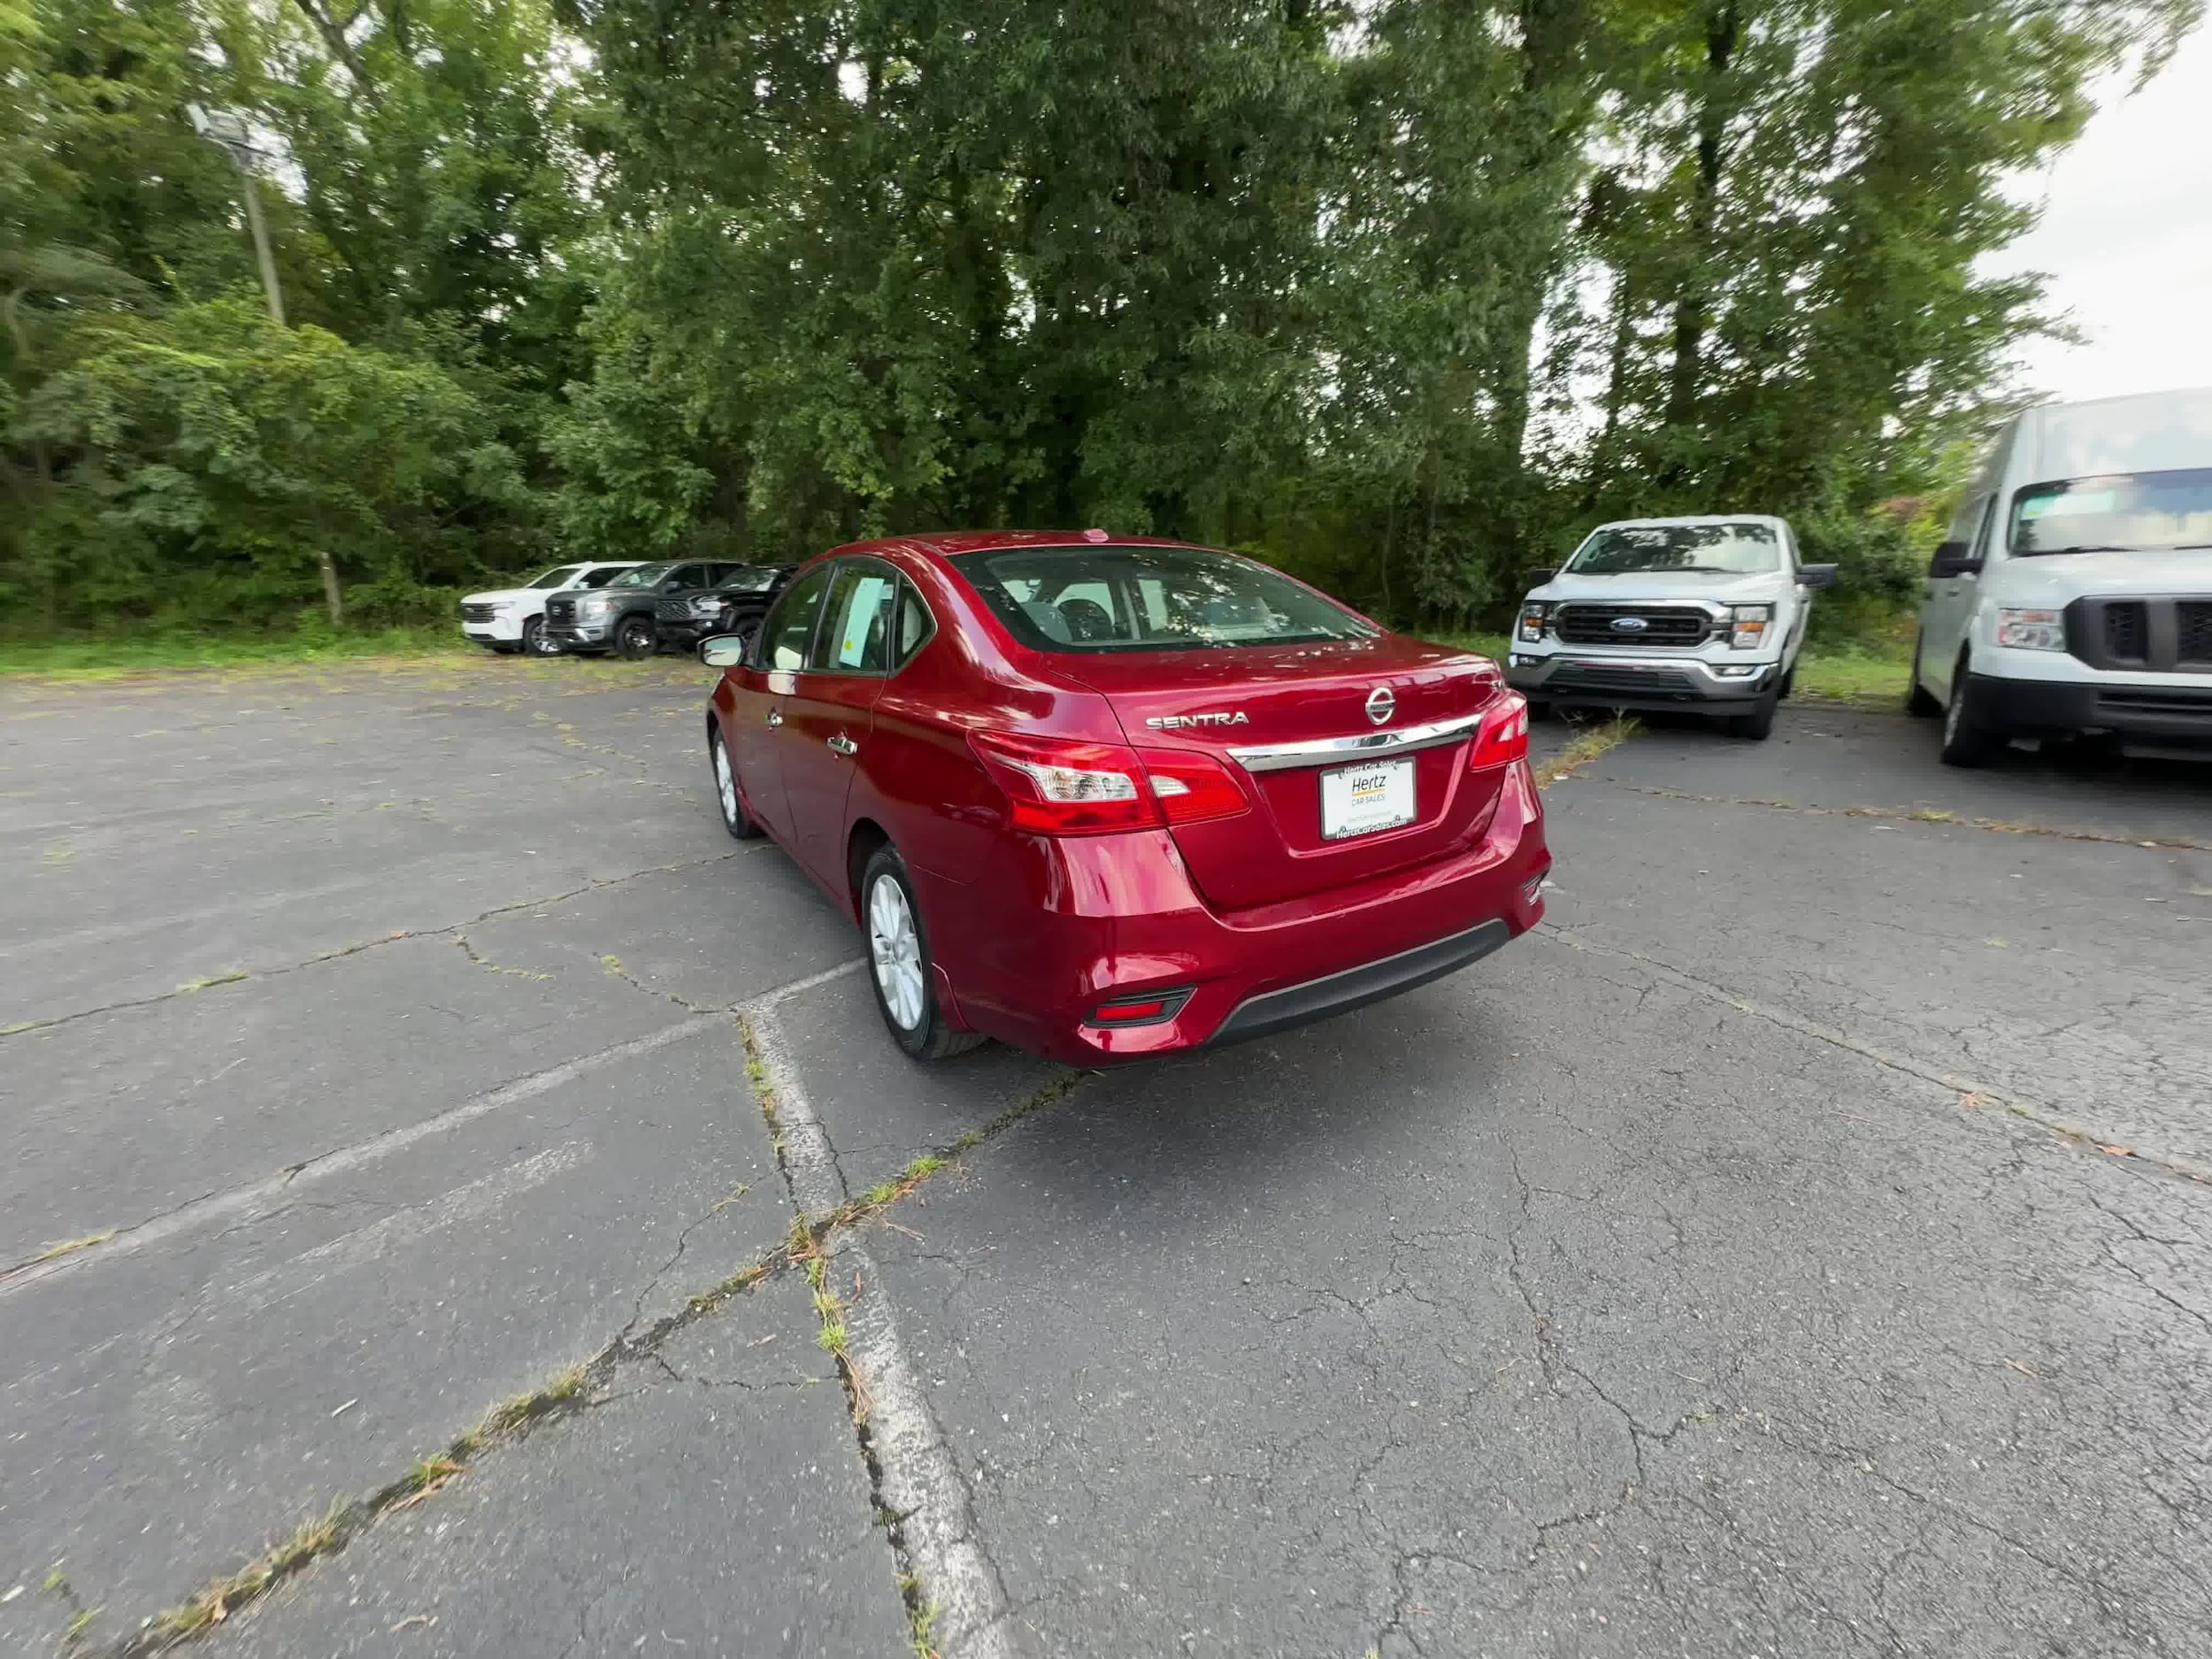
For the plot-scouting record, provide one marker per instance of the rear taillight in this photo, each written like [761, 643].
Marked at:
[1503, 734]
[1056, 786]
[1192, 787]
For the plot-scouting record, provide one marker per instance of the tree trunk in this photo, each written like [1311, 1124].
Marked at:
[334, 600]
[1691, 308]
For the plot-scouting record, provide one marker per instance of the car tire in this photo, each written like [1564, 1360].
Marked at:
[534, 643]
[1919, 701]
[899, 963]
[1967, 741]
[635, 638]
[729, 799]
[1757, 725]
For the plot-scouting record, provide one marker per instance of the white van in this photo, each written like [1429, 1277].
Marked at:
[1705, 615]
[2073, 597]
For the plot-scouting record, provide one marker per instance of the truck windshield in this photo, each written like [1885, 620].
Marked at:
[2118, 512]
[1149, 599]
[1719, 549]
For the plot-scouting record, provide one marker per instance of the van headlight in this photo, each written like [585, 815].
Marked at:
[1748, 626]
[1534, 615]
[2031, 630]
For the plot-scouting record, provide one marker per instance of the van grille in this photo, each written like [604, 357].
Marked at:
[2194, 624]
[1673, 626]
[2126, 631]
[2163, 634]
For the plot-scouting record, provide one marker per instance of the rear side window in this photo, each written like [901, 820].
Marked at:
[856, 637]
[789, 628]
[915, 625]
[1107, 598]
[601, 577]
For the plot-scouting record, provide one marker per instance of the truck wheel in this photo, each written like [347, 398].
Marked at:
[1919, 702]
[635, 638]
[533, 641]
[1760, 722]
[1967, 741]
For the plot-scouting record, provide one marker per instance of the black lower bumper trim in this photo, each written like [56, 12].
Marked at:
[1355, 987]
[2052, 708]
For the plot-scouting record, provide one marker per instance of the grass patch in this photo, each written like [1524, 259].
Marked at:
[1493, 646]
[1856, 674]
[119, 658]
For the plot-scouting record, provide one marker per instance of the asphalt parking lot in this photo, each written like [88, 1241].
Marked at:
[1802, 1244]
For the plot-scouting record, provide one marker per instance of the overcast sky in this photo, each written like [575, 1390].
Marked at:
[2126, 237]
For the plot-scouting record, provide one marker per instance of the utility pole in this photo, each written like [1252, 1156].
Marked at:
[235, 133]
[230, 131]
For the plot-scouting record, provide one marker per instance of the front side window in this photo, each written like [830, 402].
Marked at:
[1107, 598]
[789, 628]
[558, 577]
[2119, 512]
[683, 576]
[855, 634]
[1743, 549]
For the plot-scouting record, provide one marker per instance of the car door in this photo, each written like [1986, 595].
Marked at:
[826, 716]
[1948, 600]
[760, 692]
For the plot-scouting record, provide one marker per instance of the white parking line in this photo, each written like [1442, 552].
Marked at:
[268, 1193]
[917, 1478]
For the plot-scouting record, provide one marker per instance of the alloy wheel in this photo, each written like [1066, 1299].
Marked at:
[895, 946]
[726, 784]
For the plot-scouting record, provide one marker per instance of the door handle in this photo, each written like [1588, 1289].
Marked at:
[842, 745]
[775, 717]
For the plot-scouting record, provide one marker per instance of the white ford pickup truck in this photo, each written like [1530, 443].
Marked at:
[1703, 615]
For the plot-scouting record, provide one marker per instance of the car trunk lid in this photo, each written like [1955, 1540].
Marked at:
[1271, 715]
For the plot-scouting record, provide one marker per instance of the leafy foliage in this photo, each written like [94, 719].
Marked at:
[1406, 295]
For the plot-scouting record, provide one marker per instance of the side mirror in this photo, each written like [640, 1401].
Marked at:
[1952, 559]
[724, 650]
[1816, 576]
[1536, 577]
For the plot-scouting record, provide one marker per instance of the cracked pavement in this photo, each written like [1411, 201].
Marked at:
[1787, 1250]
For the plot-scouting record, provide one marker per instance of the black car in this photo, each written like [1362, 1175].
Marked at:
[734, 605]
[621, 617]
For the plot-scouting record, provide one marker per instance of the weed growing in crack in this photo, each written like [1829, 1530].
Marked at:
[231, 977]
[215, 1602]
[66, 1247]
[921, 1617]
[1586, 746]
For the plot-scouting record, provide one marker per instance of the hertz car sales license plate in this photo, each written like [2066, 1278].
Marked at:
[1360, 800]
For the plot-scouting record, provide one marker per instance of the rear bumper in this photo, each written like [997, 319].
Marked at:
[1639, 683]
[2175, 714]
[1031, 952]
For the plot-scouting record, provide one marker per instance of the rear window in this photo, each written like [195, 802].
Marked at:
[1108, 598]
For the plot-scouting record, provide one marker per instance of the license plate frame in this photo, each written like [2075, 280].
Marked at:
[1367, 798]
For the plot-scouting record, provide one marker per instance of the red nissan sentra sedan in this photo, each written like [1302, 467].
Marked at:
[1105, 798]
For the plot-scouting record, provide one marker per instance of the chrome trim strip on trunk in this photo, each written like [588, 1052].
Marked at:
[1322, 751]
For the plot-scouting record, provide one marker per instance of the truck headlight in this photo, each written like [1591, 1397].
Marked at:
[2031, 630]
[1748, 626]
[1534, 615]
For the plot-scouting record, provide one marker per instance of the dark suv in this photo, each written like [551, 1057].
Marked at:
[620, 617]
[734, 605]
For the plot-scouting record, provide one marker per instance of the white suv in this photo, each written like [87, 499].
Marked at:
[2074, 594]
[513, 618]
[1705, 615]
